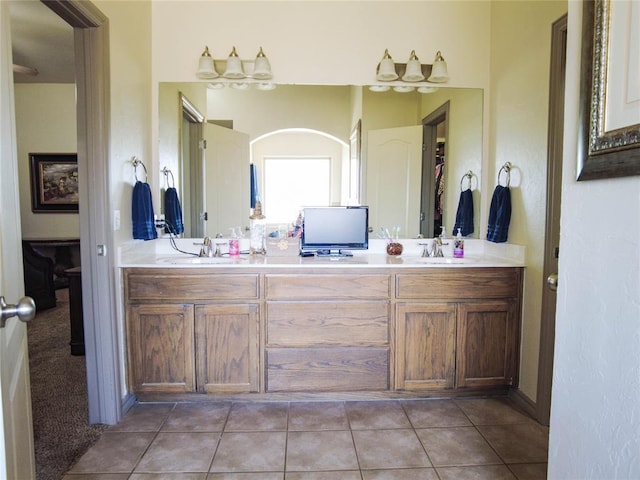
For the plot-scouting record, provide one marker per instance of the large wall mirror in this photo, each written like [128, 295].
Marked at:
[301, 138]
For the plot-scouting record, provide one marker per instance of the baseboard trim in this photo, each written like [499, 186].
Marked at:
[521, 401]
[128, 401]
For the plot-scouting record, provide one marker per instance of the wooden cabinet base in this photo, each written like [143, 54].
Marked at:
[383, 332]
[327, 369]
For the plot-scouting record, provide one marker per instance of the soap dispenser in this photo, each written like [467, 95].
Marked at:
[258, 229]
[458, 245]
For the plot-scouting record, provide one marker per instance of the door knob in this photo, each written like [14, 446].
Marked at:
[552, 281]
[25, 310]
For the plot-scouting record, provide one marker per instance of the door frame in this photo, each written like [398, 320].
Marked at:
[552, 223]
[91, 40]
[429, 147]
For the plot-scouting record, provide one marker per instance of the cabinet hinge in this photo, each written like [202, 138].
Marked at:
[202, 144]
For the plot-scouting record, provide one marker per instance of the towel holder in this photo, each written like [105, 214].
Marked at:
[168, 172]
[507, 169]
[136, 161]
[468, 176]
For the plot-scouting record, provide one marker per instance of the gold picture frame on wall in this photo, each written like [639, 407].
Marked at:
[609, 127]
[54, 182]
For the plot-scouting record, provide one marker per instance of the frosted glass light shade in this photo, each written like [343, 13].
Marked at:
[206, 68]
[386, 69]
[234, 66]
[413, 72]
[439, 73]
[262, 68]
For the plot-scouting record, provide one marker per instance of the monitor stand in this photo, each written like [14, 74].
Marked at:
[331, 252]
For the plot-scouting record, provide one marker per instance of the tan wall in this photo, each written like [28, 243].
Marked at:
[45, 123]
[130, 65]
[518, 109]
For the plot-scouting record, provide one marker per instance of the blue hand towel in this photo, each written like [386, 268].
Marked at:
[142, 213]
[254, 185]
[464, 215]
[499, 215]
[172, 212]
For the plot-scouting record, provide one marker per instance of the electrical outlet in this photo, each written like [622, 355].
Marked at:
[116, 220]
[159, 220]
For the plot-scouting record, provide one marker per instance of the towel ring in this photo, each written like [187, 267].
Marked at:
[168, 172]
[507, 169]
[137, 162]
[468, 176]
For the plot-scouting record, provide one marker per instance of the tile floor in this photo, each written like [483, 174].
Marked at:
[474, 439]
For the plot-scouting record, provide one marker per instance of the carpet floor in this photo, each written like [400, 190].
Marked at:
[58, 393]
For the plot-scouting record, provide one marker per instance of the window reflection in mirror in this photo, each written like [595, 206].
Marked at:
[333, 111]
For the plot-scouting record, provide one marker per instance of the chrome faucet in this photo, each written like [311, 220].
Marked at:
[437, 248]
[206, 250]
[427, 248]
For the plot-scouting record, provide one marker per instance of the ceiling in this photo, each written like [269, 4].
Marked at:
[41, 40]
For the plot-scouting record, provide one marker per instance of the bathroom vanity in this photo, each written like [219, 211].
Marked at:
[370, 323]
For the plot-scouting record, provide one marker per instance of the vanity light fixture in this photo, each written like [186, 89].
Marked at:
[265, 86]
[403, 88]
[426, 89]
[234, 66]
[206, 68]
[262, 68]
[386, 68]
[412, 71]
[239, 86]
[439, 71]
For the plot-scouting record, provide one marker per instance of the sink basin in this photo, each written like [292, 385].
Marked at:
[177, 260]
[438, 260]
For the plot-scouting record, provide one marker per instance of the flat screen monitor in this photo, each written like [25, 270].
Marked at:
[335, 230]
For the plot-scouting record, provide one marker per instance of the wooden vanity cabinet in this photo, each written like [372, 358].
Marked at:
[274, 330]
[327, 332]
[227, 348]
[425, 346]
[191, 331]
[471, 340]
[487, 344]
[161, 348]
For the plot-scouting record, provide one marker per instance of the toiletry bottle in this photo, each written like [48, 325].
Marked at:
[258, 229]
[234, 244]
[458, 245]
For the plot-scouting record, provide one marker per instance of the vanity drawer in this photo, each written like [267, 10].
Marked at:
[459, 283]
[187, 288]
[324, 323]
[327, 286]
[327, 369]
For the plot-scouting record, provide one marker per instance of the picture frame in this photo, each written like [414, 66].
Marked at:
[54, 182]
[609, 141]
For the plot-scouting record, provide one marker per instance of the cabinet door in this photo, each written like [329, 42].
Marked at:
[227, 348]
[160, 344]
[425, 345]
[487, 344]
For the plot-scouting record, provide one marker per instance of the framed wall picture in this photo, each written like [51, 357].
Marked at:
[609, 126]
[54, 182]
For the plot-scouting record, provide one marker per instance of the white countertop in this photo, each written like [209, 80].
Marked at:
[159, 253]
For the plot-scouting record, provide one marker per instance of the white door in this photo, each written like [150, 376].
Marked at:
[226, 188]
[394, 175]
[16, 430]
